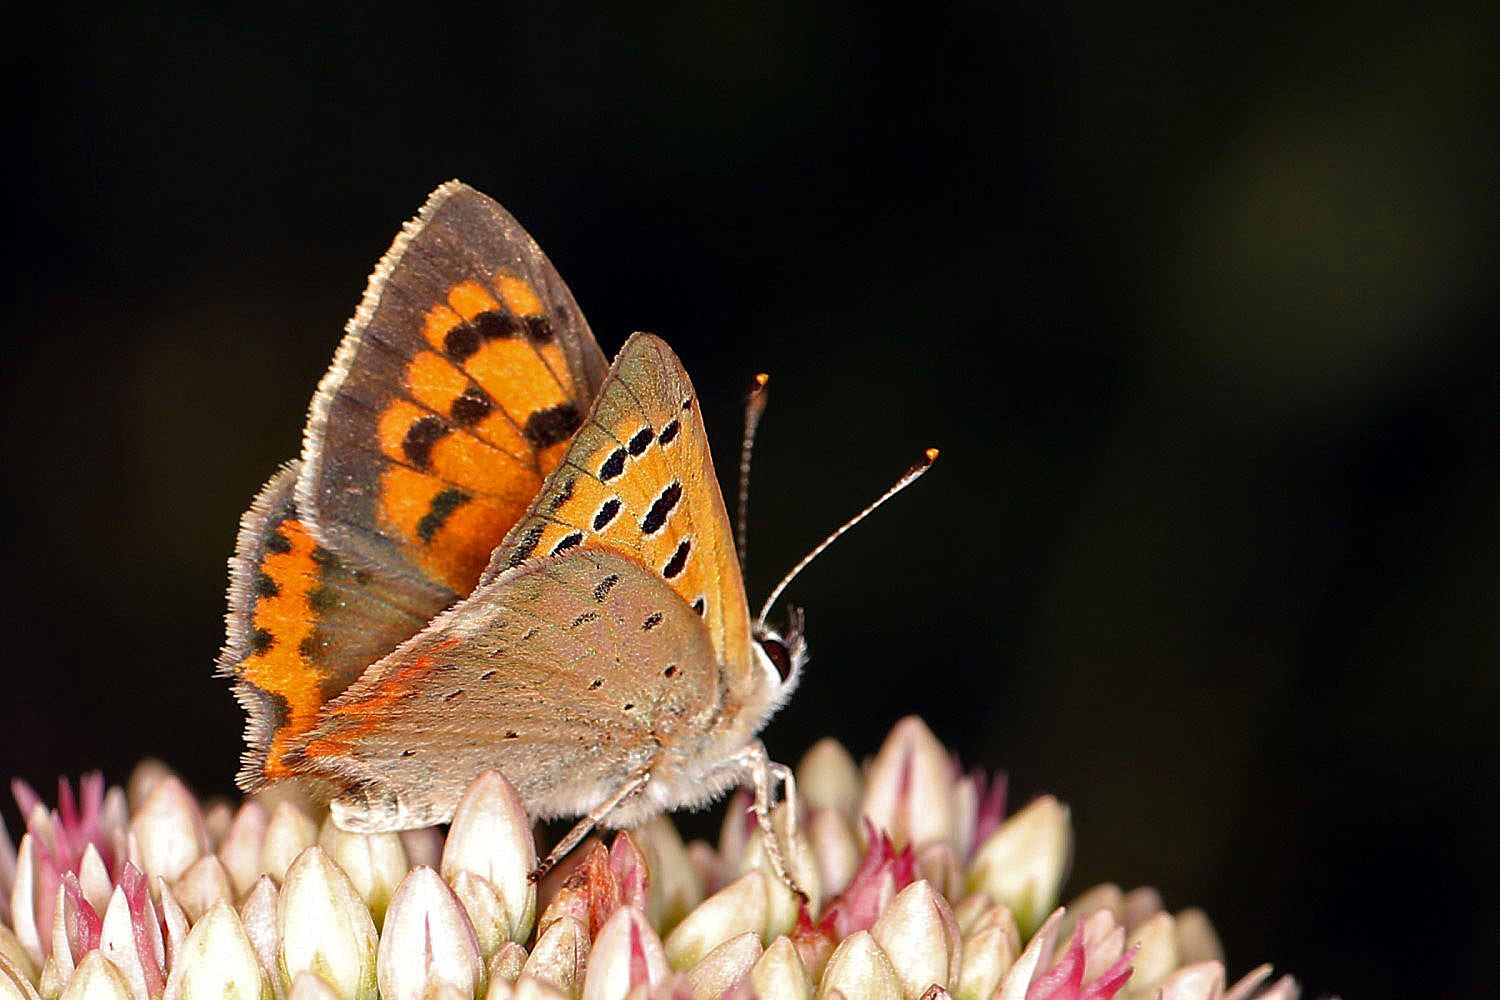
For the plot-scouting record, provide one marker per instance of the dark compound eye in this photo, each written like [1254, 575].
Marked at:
[780, 656]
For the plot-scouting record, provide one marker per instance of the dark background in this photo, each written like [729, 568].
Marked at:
[1200, 305]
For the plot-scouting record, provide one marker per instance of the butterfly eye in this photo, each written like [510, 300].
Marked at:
[780, 656]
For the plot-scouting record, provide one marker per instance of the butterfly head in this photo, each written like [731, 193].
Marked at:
[781, 656]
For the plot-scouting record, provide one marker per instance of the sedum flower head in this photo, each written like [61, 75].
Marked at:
[918, 885]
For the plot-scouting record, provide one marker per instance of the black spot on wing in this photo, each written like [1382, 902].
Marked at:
[639, 442]
[669, 433]
[563, 495]
[495, 325]
[421, 436]
[652, 620]
[607, 512]
[662, 506]
[264, 586]
[261, 640]
[613, 465]
[526, 545]
[567, 542]
[470, 407]
[461, 342]
[700, 606]
[679, 559]
[539, 329]
[442, 507]
[671, 671]
[277, 544]
[555, 424]
[604, 586]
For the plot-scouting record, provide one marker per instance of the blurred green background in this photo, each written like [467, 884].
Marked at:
[1200, 304]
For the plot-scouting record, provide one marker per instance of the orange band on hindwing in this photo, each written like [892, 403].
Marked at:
[283, 622]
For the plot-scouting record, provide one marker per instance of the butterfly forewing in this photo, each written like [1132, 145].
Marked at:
[463, 376]
[638, 479]
[566, 674]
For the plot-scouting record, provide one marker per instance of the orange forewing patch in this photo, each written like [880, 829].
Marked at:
[454, 544]
[470, 298]
[519, 296]
[522, 378]
[436, 324]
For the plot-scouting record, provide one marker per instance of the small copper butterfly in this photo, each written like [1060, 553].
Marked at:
[494, 553]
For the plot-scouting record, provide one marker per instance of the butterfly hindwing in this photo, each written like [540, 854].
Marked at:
[638, 479]
[301, 627]
[566, 674]
[455, 391]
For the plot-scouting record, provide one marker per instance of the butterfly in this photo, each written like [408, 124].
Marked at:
[495, 553]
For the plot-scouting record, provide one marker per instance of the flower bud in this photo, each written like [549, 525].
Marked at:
[909, 788]
[834, 847]
[779, 973]
[491, 838]
[859, 968]
[202, 885]
[1196, 940]
[258, 915]
[507, 961]
[1203, 981]
[1156, 958]
[217, 960]
[560, 955]
[828, 778]
[168, 827]
[240, 849]
[989, 950]
[427, 941]
[918, 934]
[1022, 864]
[739, 907]
[627, 953]
[723, 968]
[289, 832]
[323, 926]
[97, 979]
[375, 863]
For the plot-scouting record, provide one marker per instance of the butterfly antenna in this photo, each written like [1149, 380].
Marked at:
[908, 477]
[754, 407]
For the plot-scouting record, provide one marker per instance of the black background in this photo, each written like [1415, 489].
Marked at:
[1199, 303]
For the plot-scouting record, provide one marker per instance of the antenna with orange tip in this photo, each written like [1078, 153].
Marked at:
[908, 477]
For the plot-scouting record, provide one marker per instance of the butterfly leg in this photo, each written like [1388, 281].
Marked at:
[586, 825]
[783, 774]
[760, 773]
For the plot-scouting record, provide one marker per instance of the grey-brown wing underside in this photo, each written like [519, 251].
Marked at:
[566, 674]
